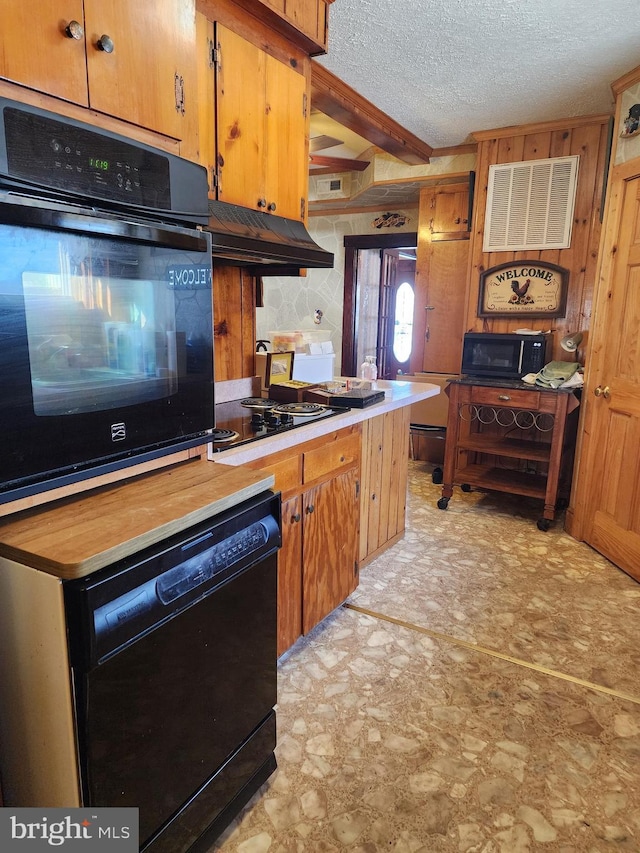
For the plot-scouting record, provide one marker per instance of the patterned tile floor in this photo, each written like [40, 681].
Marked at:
[480, 693]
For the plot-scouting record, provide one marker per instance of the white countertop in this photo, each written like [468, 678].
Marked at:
[398, 393]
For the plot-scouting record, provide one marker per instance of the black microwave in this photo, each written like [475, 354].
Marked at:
[503, 356]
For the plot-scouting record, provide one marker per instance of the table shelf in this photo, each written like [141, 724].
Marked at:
[489, 430]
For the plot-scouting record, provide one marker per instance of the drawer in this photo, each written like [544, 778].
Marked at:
[506, 397]
[287, 472]
[331, 457]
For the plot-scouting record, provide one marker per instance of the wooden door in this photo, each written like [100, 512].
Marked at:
[441, 274]
[149, 78]
[290, 575]
[240, 119]
[612, 457]
[330, 547]
[38, 53]
[287, 140]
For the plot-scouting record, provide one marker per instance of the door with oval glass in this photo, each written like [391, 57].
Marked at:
[396, 338]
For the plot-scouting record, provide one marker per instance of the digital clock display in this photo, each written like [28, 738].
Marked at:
[98, 163]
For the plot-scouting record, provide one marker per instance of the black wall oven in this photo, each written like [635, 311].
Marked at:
[106, 332]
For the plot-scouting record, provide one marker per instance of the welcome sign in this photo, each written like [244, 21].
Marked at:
[523, 288]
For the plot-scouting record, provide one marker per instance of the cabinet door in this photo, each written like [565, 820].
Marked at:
[449, 206]
[330, 547]
[37, 52]
[441, 270]
[240, 119]
[149, 78]
[287, 140]
[261, 129]
[290, 576]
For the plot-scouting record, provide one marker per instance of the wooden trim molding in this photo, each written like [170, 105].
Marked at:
[540, 127]
[623, 83]
[336, 99]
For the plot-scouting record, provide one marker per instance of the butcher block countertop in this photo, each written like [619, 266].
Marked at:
[76, 536]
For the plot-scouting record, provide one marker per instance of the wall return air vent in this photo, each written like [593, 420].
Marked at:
[530, 204]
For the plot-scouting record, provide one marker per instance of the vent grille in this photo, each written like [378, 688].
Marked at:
[530, 204]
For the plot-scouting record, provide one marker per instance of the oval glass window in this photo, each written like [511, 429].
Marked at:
[403, 324]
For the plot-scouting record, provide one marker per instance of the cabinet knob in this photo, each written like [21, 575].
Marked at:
[310, 509]
[295, 518]
[504, 397]
[74, 30]
[105, 43]
[271, 206]
[262, 202]
[603, 392]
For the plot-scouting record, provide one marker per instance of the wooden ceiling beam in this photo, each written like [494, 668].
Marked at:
[340, 102]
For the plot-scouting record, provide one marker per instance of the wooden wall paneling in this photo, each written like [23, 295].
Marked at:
[400, 469]
[583, 136]
[248, 323]
[376, 426]
[233, 323]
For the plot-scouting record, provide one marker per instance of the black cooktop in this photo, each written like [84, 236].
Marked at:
[241, 421]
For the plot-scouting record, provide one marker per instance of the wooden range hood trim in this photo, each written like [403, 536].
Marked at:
[343, 104]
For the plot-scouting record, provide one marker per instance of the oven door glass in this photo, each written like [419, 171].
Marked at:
[105, 341]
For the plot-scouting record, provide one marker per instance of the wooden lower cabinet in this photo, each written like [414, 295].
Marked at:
[318, 562]
[385, 460]
[330, 547]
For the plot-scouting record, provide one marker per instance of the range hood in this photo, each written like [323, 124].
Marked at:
[272, 244]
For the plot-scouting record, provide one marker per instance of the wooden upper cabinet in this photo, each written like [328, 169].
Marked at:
[37, 51]
[133, 61]
[262, 129]
[449, 210]
[303, 21]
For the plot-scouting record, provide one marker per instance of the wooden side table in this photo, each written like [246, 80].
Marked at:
[510, 437]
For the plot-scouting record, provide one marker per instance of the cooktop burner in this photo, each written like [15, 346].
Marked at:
[224, 437]
[302, 409]
[242, 421]
[258, 403]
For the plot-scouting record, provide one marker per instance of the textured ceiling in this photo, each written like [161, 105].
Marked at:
[444, 68]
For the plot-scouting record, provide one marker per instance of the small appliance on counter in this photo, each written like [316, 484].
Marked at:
[504, 356]
[349, 398]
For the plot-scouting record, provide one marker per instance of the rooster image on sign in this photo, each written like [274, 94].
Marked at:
[523, 288]
[520, 296]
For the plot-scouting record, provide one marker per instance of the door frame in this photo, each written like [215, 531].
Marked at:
[400, 240]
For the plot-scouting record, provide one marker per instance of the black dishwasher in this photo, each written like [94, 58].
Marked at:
[173, 659]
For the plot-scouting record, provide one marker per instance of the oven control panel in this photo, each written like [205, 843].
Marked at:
[60, 155]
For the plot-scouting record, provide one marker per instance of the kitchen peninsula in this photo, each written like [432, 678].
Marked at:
[343, 483]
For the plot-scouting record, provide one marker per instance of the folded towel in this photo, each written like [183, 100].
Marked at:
[556, 373]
